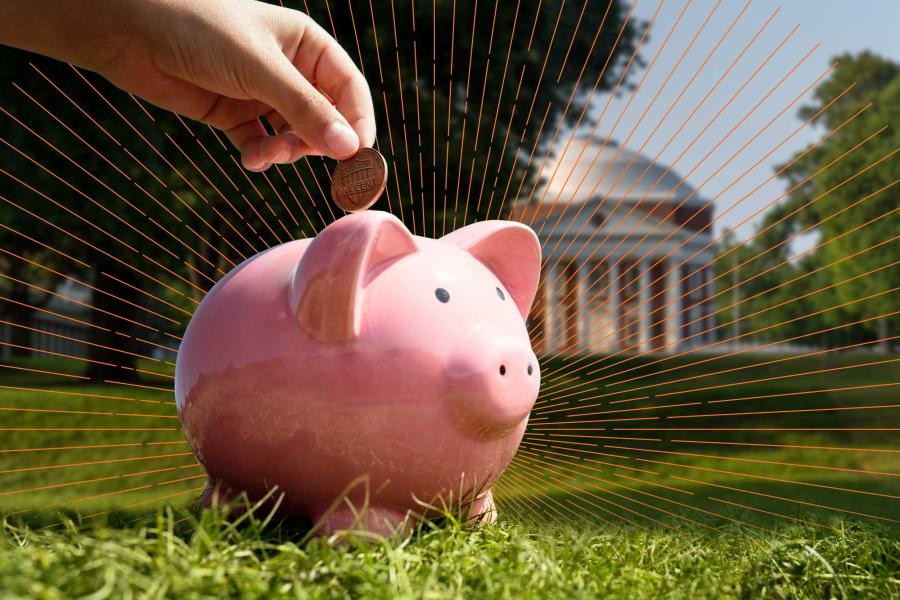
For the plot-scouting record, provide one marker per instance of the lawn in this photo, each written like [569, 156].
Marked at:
[176, 556]
[688, 481]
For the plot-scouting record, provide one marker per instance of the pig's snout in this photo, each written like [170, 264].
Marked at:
[493, 381]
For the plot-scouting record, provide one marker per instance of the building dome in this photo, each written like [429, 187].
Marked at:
[592, 168]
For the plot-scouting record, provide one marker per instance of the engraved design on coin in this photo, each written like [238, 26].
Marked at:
[359, 181]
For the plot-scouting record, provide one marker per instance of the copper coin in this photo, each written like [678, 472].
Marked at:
[358, 181]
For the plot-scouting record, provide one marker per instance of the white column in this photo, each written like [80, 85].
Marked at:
[582, 307]
[644, 306]
[551, 324]
[614, 297]
[673, 305]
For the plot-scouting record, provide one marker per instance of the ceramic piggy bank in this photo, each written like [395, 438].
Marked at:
[365, 354]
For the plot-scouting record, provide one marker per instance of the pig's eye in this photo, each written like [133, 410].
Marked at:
[442, 295]
[501, 294]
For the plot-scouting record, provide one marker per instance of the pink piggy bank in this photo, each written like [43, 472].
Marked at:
[365, 354]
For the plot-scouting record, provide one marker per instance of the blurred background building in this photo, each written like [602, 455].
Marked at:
[626, 248]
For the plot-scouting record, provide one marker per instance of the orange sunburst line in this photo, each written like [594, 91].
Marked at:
[59, 354]
[117, 492]
[95, 289]
[538, 477]
[696, 108]
[487, 71]
[768, 327]
[751, 475]
[86, 221]
[86, 172]
[42, 371]
[449, 110]
[403, 114]
[758, 312]
[801, 465]
[265, 202]
[94, 480]
[775, 497]
[707, 402]
[805, 230]
[710, 153]
[669, 303]
[624, 110]
[529, 480]
[755, 235]
[212, 184]
[766, 462]
[78, 302]
[786, 340]
[534, 146]
[387, 112]
[597, 478]
[80, 394]
[593, 493]
[418, 81]
[501, 89]
[143, 166]
[541, 78]
[89, 447]
[791, 446]
[505, 145]
[617, 85]
[682, 203]
[202, 173]
[93, 463]
[813, 372]
[465, 115]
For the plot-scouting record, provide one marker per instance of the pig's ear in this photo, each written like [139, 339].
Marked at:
[327, 286]
[511, 250]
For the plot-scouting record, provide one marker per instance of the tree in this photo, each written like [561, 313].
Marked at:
[846, 207]
[149, 210]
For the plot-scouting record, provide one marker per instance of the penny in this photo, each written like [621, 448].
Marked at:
[358, 181]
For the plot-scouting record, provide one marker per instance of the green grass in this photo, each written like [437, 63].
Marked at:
[179, 557]
[573, 522]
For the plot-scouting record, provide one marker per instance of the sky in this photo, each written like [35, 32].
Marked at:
[716, 163]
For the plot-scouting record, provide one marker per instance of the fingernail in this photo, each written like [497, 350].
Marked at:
[341, 140]
[255, 165]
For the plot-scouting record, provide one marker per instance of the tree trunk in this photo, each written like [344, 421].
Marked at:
[884, 332]
[120, 366]
[19, 337]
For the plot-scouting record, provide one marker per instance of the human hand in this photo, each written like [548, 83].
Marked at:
[226, 63]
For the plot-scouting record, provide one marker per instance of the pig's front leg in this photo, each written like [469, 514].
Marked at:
[215, 494]
[484, 509]
[381, 521]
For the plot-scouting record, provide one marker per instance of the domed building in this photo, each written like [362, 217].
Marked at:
[627, 245]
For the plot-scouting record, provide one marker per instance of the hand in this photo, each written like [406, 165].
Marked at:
[225, 62]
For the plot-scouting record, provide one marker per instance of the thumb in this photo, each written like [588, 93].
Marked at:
[309, 114]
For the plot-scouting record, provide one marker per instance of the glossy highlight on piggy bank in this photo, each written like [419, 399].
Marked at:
[365, 354]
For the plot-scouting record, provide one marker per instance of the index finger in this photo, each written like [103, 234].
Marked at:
[324, 63]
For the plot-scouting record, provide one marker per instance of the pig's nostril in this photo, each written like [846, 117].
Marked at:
[503, 369]
[530, 370]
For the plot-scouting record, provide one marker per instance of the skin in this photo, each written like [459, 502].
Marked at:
[227, 63]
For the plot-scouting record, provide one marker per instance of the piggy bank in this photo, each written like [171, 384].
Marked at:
[365, 354]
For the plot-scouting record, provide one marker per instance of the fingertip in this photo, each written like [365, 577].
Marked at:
[341, 140]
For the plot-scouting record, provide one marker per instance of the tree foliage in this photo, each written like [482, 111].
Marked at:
[843, 201]
[147, 210]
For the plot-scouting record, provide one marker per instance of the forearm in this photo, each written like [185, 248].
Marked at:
[87, 33]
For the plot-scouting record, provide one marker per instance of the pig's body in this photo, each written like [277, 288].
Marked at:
[310, 377]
